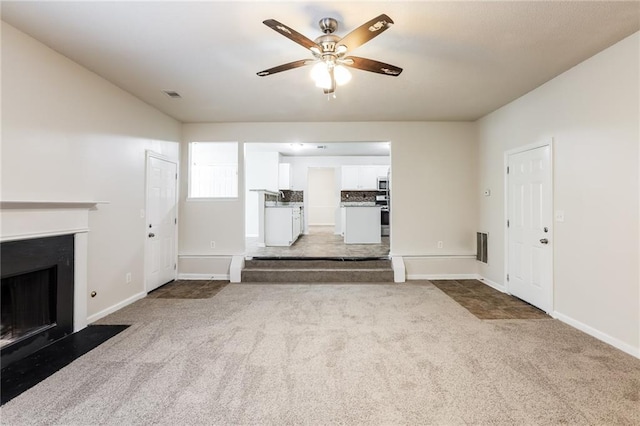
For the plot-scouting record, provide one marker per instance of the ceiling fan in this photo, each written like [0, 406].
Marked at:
[330, 52]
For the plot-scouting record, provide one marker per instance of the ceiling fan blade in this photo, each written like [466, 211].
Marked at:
[371, 65]
[365, 32]
[285, 67]
[292, 34]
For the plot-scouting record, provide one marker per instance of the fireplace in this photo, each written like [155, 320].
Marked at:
[37, 294]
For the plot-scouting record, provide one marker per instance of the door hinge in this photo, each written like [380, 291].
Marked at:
[507, 169]
[175, 221]
[507, 223]
[175, 266]
[176, 176]
[507, 277]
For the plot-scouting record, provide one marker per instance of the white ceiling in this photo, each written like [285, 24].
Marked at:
[461, 60]
[310, 149]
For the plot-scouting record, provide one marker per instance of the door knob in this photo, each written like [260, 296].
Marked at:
[151, 235]
[544, 241]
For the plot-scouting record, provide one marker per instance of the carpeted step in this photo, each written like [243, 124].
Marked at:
[317, 271]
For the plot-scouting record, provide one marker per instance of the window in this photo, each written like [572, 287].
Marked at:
[213, 170]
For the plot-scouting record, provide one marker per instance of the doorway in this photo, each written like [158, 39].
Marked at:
[161, 221]
[323, 200]
[529, 232]
[310, 176]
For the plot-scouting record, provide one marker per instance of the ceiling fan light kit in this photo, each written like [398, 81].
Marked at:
[330, 60]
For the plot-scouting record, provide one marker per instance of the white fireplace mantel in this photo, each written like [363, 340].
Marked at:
[22, 220]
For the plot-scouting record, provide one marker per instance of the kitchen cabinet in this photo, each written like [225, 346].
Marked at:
[283, 225]
[362, 178]
[382, 171]
[361, 225]
[284, 176]
[350, 179]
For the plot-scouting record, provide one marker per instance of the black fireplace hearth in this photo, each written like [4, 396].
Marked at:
[37, 295]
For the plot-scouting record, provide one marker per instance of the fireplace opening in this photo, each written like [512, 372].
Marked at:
[36, 295]
[28, 305]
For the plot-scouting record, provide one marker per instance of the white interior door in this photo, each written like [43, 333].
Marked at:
[529, 232]
[161, 222]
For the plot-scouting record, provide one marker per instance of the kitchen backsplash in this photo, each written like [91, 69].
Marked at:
[292, 196]
[359, 196]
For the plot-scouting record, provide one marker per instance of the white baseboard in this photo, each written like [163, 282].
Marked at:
[206, 277]
[616, 343]
[492, 284]
[442, 276]
[235, 269]
[116, 307]
[399, 271]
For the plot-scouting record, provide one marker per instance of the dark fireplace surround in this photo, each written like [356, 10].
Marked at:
[37, 294]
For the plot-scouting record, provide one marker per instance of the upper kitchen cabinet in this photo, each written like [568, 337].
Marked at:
[262, 170]
[284, 176]
[363, 178]
[350, 177]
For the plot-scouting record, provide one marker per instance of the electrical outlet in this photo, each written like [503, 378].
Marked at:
[127, 277]
[213, 244]
[440, 244]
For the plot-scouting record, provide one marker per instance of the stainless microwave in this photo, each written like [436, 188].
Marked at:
[383, 184]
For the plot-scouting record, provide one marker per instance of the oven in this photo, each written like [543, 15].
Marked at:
[384, 221]
[383, 202]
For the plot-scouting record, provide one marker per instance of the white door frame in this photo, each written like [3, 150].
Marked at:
[546, 142]
[148, 155]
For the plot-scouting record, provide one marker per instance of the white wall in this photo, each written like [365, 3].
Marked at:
[261, 170]
[68, 134]
[433, 186]
[592, 113]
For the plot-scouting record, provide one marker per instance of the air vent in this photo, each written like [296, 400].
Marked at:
[172, 94]
[481, 246]
[321, 146]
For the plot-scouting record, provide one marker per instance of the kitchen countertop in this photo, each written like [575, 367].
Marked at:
[266, 191]
[359, 204]
[279, 204]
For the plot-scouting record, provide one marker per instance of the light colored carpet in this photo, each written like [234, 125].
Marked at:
[334, 354]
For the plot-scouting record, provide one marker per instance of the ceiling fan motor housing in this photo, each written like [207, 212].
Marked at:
[328, 44]
[328, 25]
